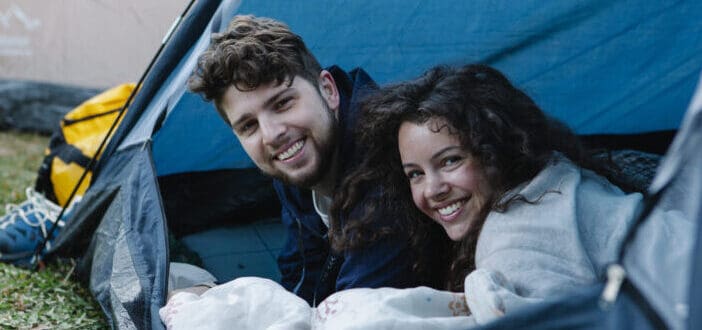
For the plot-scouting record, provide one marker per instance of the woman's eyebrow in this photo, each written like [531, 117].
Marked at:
[445, 150]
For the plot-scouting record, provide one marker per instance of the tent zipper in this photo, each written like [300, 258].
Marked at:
[615, 277]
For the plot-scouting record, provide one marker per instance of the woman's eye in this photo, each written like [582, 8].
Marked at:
[451, 160]
[413, 174]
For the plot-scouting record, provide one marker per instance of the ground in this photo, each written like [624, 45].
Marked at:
[51, 298]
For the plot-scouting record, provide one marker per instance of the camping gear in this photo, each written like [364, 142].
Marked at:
[34, 106]
[25, 226]
[76, 141]
[29, 228]
[618, 72]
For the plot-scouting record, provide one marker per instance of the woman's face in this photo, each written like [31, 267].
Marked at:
[447, 183]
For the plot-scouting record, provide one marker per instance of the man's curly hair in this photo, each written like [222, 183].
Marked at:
[253, 51]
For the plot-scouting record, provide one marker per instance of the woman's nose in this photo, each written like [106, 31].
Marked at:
[437, 188]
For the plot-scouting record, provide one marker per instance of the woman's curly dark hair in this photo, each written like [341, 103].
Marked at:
[497, 123]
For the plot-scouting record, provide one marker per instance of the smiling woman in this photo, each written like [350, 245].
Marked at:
[447, 183]
[520, 202]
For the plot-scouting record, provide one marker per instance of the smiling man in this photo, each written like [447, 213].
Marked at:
[288, 129]
[294, 120]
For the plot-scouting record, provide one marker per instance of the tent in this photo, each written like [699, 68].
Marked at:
[619, 73]
[641, 305]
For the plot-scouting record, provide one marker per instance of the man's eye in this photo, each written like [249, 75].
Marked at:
[283, 104]
[247, 127]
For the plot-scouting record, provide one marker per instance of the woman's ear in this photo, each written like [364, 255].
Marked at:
[328, 90]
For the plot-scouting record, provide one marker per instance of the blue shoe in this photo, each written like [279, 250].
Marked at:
[24, 226]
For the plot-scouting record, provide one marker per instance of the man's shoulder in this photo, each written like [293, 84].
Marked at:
[292, 197]
[352, 82]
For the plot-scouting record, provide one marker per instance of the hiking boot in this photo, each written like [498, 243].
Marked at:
[24, 226]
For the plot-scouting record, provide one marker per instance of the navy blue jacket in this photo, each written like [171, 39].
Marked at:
[386, 263]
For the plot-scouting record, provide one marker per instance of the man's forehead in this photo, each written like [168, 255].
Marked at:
[241, 100]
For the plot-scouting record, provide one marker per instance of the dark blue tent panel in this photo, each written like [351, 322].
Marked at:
[601, 66]
[240, 250]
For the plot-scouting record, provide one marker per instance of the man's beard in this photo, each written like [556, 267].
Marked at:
[326, 158]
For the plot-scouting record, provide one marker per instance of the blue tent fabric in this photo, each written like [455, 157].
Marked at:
[205, 143]
[583, 309]
[602, 67]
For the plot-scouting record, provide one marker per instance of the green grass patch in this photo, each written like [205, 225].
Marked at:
[20, 157]
[47, 299]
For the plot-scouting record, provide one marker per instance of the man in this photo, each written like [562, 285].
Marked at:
[294, 120]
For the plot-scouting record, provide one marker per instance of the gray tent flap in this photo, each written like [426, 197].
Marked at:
[128, 258]
[669, 283]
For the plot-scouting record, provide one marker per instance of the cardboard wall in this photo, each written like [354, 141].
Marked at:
[92, 43]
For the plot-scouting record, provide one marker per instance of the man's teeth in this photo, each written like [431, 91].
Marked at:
[291, 151]
[450, 209]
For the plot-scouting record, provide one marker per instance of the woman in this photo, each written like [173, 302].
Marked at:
[512, 189]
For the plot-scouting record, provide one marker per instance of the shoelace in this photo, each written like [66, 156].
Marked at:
[36, 207]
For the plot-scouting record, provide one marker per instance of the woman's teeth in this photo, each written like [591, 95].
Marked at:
[450, 208]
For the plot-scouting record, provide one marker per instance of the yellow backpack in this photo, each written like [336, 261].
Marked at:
[76, 142]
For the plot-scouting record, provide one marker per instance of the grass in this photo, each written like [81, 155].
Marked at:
[20, 157]
[50, 298]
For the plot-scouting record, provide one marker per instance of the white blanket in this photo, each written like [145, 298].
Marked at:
[258, 303]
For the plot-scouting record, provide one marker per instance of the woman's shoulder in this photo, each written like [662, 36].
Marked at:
[558, 173]
[559, 197]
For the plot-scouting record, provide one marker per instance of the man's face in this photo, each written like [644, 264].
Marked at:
[288, 130]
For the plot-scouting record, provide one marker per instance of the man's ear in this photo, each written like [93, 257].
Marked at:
[328, 90]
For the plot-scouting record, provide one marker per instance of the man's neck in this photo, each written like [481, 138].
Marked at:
[328, 183]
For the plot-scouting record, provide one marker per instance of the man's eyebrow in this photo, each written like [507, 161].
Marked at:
[276, 96]
[268, 103]
[240, 120]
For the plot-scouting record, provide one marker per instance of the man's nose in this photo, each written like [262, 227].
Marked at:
[272, 131]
